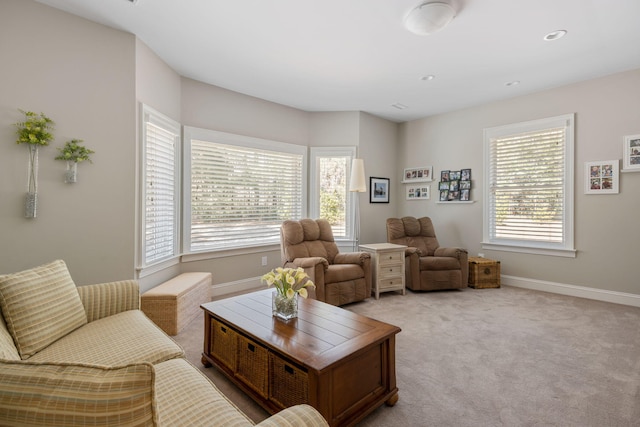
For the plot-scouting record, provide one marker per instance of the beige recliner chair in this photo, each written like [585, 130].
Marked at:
[340, 278]
[428, 266]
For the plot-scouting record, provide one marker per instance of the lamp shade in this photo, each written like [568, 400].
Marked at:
[429, 17]
[357, 182]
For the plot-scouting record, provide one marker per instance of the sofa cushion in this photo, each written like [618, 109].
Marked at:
[40, 306]
[33, 394]
[127, 337]
[186, 397]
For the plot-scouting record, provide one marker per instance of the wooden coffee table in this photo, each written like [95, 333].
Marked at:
[339, 362]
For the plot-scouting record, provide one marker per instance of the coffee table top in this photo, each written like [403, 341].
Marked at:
[321, 335]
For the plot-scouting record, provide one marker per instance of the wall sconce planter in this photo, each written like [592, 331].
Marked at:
[71, 174]
[35, 131]
[31, 201]
[73, 153]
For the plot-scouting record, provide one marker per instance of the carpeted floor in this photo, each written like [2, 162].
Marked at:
[496, 357]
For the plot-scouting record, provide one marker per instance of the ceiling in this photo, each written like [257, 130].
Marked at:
[355, 55]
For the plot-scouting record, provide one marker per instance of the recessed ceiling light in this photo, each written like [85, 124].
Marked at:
[428, 77]
[399, 106]
[513, 83]
[555, 35]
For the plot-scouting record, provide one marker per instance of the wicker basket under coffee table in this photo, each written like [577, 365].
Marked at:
[484, 273]
[339, 362]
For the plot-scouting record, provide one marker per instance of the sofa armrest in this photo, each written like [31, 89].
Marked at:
[351, 258]
[106, 299]
[299, 416]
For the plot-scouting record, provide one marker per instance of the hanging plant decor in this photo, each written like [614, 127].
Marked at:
[35, 131]
[73, 153]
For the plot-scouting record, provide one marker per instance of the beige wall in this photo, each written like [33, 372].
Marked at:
[606, 234]
[81, 75]
[90, 78]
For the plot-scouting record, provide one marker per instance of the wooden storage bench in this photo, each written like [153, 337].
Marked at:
[174, 303]
[484, 273]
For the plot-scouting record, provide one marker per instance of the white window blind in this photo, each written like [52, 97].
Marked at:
[161, 137]
[241, 190]
[530, 182]
[329, 195]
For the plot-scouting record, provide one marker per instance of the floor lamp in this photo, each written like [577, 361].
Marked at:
[357, 184]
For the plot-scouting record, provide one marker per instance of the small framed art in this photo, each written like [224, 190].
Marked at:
[378, 190]
[631, 152]
[601, 177]
[421, 174]
[418, 192]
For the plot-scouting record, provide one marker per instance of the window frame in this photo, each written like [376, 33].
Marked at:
[565, 248]
[143, 266]
[190, 133]
[315, 153]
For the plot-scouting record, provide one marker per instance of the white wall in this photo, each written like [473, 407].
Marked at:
[605, 225]
[81, 75]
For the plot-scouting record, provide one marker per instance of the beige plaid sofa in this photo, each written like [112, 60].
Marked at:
[89, 356]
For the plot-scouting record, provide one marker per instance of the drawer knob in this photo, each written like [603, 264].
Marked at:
[487, 270]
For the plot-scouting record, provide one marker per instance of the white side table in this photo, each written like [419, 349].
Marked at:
[387, 261]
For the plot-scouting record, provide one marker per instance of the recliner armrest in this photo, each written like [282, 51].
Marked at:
[411, 250]
[351, 258]
[310, 262]
[450, 252]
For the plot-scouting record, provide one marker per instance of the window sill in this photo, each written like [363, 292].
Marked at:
[225, 253]
[534, 250]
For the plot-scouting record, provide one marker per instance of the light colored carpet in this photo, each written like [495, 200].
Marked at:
[496, 357]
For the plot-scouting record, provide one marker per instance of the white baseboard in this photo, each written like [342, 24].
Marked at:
[253, 283]
[572, 290]
[239, 286]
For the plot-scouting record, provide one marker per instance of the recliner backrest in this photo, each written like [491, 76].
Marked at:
[307, 238]
[412, 232]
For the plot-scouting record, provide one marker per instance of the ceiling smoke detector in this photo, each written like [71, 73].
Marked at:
[429, 17]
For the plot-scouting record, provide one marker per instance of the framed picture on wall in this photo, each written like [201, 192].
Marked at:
[378, 190]
[419, 174]
[418, 192]
[631, 152]
[601, 177]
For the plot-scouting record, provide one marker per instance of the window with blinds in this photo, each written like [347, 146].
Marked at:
[160, 187]
[529, 184]
[328, 189]
[241, 189]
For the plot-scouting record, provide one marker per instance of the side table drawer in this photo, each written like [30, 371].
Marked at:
[390, 257]
[392, 270]
[391, 283]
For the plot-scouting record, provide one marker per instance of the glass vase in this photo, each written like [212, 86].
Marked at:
[31, 200]
[71, 174]
[283, 307]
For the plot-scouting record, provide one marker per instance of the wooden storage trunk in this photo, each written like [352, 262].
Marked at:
[484, 273]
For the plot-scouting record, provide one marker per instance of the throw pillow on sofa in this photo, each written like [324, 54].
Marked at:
[40, 305]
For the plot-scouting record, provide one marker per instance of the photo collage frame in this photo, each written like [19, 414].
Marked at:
[455, 185]
[601, 177]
